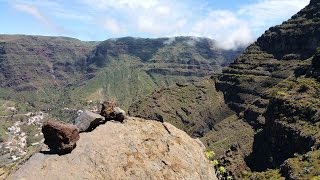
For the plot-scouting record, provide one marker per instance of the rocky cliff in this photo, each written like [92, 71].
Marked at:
[273, 85]
[270, 86]
[49, 72]
[194, 108]
[200, 110]
[136, 149]
[132, 68]
[272, 89]
[29, 63]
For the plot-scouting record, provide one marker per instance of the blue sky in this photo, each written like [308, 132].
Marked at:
[230, 22]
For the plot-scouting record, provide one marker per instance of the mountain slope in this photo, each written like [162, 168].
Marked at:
[153, 63]
[198, 107]
[269, 84]
[33, 69]
[273, 89]
[46, 71]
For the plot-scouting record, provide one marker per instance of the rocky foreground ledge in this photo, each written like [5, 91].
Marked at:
[136, 149]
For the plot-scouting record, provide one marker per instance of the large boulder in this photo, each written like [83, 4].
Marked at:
[60, 137]
[137, 149]
[87, 121]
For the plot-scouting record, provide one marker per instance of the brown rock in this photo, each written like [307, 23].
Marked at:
[60, 137]
[137, 149]
[107, 110]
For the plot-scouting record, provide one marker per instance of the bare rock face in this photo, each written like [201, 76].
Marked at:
[88, 120]
[61, 138]
[136, 149]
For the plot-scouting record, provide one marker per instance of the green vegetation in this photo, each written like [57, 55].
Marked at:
[305, 166]
[210, 155]
[221, 171]
[67, 72]
[122, 80]
[269, 174]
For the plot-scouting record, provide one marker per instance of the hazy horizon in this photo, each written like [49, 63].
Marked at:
[232, 24]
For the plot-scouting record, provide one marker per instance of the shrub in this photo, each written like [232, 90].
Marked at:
[222, 170]
[210, 155]
[214, 162]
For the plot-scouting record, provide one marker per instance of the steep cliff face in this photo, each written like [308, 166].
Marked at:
[136, 149]
[29, 62]
[274, 86]
[275, 56]
[200, 110]
[46, 71]
[273, 89]
[131, 68]
[198, 107]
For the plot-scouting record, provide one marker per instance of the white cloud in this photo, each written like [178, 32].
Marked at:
[163, 10]
[156, 18]
[134, 4]
[170, 41]
[270, 12]
[72, 15]
[112, 26]
[227, 29]
[35, 12]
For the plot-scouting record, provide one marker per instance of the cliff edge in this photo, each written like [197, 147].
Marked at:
[136, 149]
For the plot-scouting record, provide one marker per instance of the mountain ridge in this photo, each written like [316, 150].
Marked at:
[70, 68]
[271, 89]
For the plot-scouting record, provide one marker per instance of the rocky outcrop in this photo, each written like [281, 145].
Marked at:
[199, 110]
[276, 55]
[136, 149]
[273, 87]
[87, 121]
[304, 166]
[194, 108]
[110, 111]
[274, 84]
[107, 109]
[61, 138]
[315, 68]
[120, 114]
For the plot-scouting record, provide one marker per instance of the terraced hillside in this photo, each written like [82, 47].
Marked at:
[130, 68]
[60, 75]
[33, 69]
[46, 71]
[272, 89]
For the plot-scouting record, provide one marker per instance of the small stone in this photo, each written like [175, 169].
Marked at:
[107, 110]
[87, 121]
[120, 114]
[60, 137]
